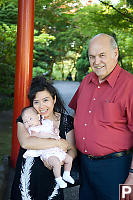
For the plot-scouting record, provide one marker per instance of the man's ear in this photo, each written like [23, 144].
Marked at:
[116, 53]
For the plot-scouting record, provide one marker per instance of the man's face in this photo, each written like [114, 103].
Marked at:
[102, 57]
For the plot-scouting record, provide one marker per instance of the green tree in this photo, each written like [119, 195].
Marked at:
[8, 13]
[106, 18]
[43, 55]
[8, 32]
[55, 19]
[82, 64]
[7, 56]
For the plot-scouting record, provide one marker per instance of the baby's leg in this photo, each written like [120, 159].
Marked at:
[67, 169]
[56, 164]
[68, 163]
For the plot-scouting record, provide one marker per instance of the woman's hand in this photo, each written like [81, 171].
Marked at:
[63, 144]
[44, 135]
[72, 151]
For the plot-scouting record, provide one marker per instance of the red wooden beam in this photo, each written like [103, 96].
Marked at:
[24, 65]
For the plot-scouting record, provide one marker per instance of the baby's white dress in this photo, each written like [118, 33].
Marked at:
[47, 126]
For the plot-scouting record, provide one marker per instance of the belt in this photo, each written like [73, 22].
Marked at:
[111, 155]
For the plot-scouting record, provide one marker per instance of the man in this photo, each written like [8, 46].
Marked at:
[103, 123]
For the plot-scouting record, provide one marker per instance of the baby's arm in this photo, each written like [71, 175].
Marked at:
[56, 131]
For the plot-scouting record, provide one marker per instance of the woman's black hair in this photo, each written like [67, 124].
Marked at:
[38, 84]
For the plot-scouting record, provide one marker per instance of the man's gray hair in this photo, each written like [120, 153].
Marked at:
[113, 43]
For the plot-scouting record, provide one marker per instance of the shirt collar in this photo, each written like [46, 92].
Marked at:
[111, 79]
[114, 75]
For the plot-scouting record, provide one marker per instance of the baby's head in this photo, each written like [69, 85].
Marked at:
[30, 117]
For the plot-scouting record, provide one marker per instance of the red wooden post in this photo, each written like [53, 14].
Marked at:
[24, 65]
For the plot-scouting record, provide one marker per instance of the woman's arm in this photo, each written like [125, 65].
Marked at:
[34, 143]
[44, 135]
[72, 151]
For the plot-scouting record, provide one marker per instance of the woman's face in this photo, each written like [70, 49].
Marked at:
[44, 104]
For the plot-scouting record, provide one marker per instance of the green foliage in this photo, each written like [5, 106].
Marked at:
[8, 44]
[43, 55]
[37, 71]
[8, 13]
[130, 2]
[55, 19]
[7, 64]
[43, 38]
[60, 37]
[82, 64]
[7, 74]
[8, 32]
[6, 103]
[105, 18]
[2, 2]
[62, 69]
[7, 58]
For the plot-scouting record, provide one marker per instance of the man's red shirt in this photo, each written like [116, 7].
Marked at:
[104, 113]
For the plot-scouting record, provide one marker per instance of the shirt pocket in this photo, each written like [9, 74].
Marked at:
[111, 113]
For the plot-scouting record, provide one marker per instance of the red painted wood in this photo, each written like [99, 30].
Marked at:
[24, 65]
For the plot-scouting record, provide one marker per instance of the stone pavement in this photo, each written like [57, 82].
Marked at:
[66, 90]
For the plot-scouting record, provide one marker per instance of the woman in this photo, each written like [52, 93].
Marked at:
[32, 179]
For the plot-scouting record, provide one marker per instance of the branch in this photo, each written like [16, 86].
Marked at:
[128, 18]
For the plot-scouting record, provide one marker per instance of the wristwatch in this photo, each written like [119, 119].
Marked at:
[131, 170]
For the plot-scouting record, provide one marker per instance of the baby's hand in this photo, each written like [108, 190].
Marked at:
[56, 131]
[34, 133]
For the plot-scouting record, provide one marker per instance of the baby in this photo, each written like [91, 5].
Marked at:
[54, 156]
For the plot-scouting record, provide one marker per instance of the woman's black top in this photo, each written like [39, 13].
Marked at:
[32, 180]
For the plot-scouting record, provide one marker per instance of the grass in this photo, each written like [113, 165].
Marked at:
[6, 103]
[5, 145]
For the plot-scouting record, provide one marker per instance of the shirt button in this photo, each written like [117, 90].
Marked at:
[98, 86]
[89, 111]
[85, 150]
[94, 99]
[85, 124]
[83, 138]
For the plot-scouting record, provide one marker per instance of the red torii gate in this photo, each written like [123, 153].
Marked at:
[24, 65]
